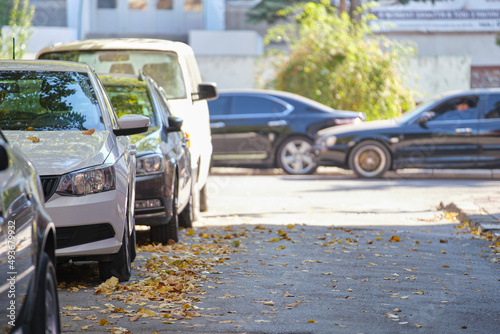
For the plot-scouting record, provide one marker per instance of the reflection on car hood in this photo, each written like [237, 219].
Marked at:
[147, 141]
[60, 152]
[365, 126]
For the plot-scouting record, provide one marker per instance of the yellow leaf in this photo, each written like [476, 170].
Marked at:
[443, 252]
[445, 266]
[311, 321]
[34, 139]
[190, 232]
[395, 238]
[290, 226]
[103, 322]
[273, 240]
[88, 132]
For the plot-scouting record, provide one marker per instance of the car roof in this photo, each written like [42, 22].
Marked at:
[43, 65]
[119, 44]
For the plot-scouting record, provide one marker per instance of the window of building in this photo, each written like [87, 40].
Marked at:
[137, 4]
[106, 4]
[193, 5]
[164, 4]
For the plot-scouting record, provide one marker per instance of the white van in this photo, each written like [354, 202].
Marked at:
[173, 66]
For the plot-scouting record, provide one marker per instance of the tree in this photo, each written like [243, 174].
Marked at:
[337, 61]
[19, 28]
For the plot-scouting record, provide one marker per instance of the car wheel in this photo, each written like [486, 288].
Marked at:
[46, 317]
[133, 244]
[295, 156]
[369, 159]
[167, 233]
[120, 265]
[186, 217]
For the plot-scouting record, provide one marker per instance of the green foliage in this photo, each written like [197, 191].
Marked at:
[5, 8]
[267, 10]
[20, 29]
[339, 62]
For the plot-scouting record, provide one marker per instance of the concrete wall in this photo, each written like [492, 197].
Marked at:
[428, 75]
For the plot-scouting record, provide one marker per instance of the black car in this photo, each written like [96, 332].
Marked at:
[163, 191]
[453, 130]
[266, 128]
[28, 284]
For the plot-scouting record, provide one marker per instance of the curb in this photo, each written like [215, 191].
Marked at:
[476, 217]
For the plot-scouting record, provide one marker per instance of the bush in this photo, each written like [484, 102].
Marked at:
[338, 61]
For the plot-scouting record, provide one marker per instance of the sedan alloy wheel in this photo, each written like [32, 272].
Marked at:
[295, 156]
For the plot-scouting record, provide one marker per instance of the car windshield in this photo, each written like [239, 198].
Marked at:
[43, 100]
[130, 99]
[162, 66]
[411, 114]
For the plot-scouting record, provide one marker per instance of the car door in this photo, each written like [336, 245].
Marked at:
[219, 110]
[489, 133]
[16, 217]
[448, 138]
[253, 127]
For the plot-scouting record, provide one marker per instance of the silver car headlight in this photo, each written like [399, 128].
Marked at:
[88, 181]
[151, 164]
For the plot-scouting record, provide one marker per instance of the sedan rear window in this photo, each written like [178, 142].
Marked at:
[38, 101]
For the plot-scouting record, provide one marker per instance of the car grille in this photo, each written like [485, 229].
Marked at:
[49, 185]
[78, 235]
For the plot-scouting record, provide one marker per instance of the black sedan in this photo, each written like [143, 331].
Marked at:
[163, 191]
[266, 128]
[453, 130]
[28, 283]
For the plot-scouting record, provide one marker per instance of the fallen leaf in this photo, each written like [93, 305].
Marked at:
[34, 139]
[395, 239]
[103, 322]
[88, 132]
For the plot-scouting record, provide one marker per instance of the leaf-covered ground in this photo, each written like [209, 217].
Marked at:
[295, 279]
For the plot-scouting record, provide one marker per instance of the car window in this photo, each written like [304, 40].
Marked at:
[493, 109]
[256, 105]
[131, 100]
[162, 66]
[220, 106]
[43, 100]
[457, 108]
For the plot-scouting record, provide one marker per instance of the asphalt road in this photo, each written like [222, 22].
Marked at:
[326, 253]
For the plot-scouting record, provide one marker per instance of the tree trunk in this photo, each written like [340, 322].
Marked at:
[342, 6]
[354, 5]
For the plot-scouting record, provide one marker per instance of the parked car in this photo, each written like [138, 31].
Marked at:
[163, 179]
[59, 115]
[453, 130]
[173, 66]
[268, 128]
[28, 283]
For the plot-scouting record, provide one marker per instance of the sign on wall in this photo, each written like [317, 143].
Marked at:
[442, 16]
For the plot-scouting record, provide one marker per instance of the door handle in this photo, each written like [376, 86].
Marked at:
[281, 122]
[463, 130]
[217, 125]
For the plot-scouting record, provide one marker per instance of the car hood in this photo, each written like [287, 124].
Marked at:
[60, 152]
[354, 128]
[147, 141]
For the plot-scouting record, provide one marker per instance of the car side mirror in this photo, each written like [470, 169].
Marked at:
[131, 125]
[4, 159]
[425, 117]
[206, 91]
[174, 124]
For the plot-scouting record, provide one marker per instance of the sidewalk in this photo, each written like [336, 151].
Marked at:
[482, 213]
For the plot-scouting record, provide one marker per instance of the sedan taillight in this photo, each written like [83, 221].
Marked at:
[343, 121]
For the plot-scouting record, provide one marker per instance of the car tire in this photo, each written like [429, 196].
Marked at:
[46, 316]
[133, 244]
[167, 233]
[369, 159]
[186, 217]
[295, 157]
[120, 266]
